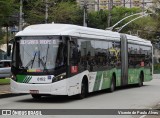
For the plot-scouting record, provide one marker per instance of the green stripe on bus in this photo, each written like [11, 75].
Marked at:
[27, 79]
[20, 78]
[97, 80]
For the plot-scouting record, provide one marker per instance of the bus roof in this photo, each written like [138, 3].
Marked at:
[76, 31]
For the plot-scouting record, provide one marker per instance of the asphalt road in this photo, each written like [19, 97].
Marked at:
[133, 97]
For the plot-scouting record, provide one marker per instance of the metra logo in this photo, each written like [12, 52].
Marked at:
[41, 79]
[27, 79]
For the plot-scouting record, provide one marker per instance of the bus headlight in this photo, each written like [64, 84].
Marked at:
[13, 77]
[59, 77]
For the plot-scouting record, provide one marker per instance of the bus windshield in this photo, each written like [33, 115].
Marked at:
[39, 54]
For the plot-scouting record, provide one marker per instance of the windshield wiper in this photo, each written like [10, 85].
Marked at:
[31, 62]
[46, 55]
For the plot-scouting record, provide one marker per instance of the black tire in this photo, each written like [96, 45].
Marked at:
[112, 85]
[84, 90]
[140, 80]
[36, 96]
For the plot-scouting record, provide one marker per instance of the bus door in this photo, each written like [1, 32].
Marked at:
[124, 60]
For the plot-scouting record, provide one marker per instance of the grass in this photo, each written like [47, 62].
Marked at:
[156, 69]
[4, 81]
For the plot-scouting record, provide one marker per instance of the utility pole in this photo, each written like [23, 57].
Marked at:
[84, 13]
[109, 12]
[98, 5]
[46, 11]
[20, 15]
[124, 3]
[143, 7]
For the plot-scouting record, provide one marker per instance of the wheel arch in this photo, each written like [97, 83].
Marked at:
[114, 76]
[141, 74]
[85, 80]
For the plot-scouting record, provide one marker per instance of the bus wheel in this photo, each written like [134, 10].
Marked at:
[140, 80]
[112, 86]
[84, 90]
[36, 96]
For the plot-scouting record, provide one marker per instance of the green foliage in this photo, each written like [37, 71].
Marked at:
[156, 16]
[7, 9]
[156, 69]
[119, 13]
[63, 12]
[98, 19]
[34, 12]
[4, 81]
[66, 12]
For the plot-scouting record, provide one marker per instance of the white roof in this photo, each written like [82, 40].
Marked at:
[74, 30]
[67, 29]
[138, 40]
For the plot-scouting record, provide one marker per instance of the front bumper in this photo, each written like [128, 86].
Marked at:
[57, 88]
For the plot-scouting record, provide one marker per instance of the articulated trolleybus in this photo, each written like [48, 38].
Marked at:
[63, 59]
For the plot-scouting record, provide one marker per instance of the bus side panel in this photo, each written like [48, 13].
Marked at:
[133, 75]
[118, 77]
[147, 74]
[107, 76]
[102, 79]
[74, 83]
[139, 62]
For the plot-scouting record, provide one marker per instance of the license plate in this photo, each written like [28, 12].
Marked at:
[34, 91]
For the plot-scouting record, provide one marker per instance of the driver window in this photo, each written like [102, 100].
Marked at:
[61, 55]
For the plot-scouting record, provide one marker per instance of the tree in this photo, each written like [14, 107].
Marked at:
[99, 19]
[8, 8]
[66, 12]
[61, 12]
[7, 12]
[156, 10]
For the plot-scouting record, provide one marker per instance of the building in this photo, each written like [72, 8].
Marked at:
[106, 4]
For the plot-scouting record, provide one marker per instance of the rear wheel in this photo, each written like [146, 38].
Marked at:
[112, 86]
[84, 90]
[36, 96]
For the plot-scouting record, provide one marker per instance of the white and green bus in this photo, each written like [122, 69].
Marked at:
[64, 59]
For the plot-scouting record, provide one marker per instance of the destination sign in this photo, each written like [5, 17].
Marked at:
[38, 41]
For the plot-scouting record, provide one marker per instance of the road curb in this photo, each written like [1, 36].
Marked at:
[5, 95]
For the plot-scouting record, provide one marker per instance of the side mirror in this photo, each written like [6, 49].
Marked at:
[9, 50]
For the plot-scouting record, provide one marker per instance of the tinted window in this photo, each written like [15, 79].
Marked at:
[98, 55]
[139, 56]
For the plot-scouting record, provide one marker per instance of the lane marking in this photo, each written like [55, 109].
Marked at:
[143, 116]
